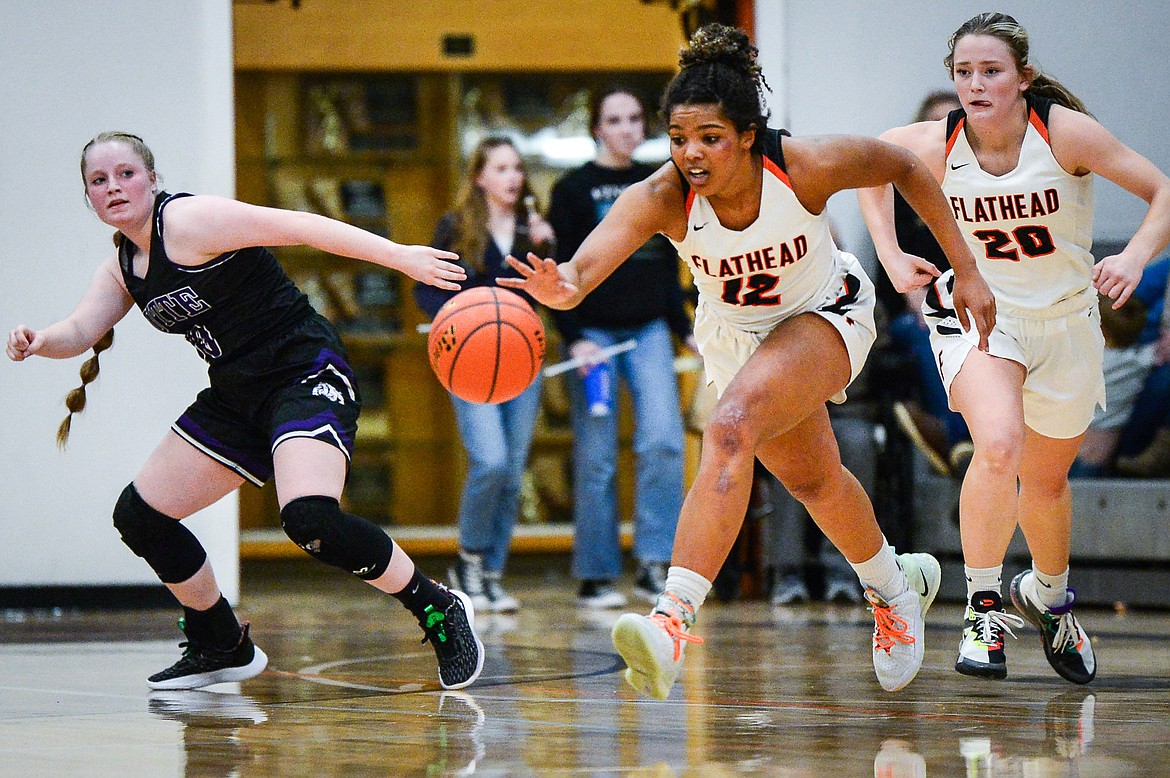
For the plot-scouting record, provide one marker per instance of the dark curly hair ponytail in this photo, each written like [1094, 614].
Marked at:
[718, 67]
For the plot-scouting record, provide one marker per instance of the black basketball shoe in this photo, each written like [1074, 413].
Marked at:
[452, 634]
[203, 665]
[1066, 646]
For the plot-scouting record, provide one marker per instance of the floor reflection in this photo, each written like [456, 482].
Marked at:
[773, 692]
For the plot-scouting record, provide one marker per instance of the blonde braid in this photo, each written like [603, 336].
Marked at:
[75, 400]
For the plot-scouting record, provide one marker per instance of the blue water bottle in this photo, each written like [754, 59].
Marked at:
[599, 389]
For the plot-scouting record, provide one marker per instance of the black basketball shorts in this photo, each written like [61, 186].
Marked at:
[299, 385]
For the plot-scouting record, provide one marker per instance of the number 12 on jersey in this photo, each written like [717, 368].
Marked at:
[758, 292]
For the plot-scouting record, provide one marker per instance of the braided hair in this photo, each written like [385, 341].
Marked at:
[718, 67]
[75, 400]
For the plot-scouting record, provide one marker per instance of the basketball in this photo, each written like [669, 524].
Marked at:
[486, 345]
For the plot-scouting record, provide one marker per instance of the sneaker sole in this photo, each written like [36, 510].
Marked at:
[633, 641]
[228, 674]
[470, 610]
[507, 606]
[975, 669]
[1019, 602]
[602, 603]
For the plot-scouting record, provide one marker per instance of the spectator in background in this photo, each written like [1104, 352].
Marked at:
[1143, 446]
[641, 301]
[937, 431]
[491, 219]
[1130, 333]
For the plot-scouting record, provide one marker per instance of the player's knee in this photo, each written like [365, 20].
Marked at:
[816, 487]
[728, 432]
[1001, 451]
[318, 525]
[171, 550]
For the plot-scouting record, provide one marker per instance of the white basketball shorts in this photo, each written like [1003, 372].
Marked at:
[849, 308]
[1061, 348]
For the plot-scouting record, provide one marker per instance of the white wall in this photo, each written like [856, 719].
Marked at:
[73, 68]
[856, 66]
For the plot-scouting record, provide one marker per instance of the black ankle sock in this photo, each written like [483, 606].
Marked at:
[422, 592]
[216, 627]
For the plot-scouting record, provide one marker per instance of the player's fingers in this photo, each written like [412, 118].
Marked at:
[441, 254]
[522, 268]
[1126, 291]
[515, 283]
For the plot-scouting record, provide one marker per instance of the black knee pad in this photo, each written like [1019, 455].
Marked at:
[319, 526]
[171, 550]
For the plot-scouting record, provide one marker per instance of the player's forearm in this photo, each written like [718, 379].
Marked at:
[65, 340]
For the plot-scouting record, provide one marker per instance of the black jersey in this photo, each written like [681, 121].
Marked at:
[225, 306]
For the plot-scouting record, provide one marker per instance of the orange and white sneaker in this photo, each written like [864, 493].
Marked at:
[899, 624]
[652, 646]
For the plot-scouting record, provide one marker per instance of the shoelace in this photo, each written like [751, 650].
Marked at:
[988, 622]
[889, 628]
[674, 626]
[1065, 637]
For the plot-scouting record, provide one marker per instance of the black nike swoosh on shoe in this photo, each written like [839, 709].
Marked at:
[956, 167]
[1046, 586]
[700, 226]
[925, 583]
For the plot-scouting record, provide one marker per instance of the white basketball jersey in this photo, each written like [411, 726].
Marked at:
[1030, 230]
[782, 264]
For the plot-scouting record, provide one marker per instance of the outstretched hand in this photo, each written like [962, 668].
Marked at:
[974, 304]
[1117, 276]
[542, 279]
[430, 266]
[23, 343]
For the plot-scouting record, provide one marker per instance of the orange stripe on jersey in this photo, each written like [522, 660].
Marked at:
[954, 137]
[775, 170]
[690, 201]
[1035, 121]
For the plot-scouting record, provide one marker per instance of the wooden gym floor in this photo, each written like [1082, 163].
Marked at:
[774, 691]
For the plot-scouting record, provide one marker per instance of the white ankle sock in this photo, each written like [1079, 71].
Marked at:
[882, 573]
[983, 579]
[688, 586]
[1051, 589]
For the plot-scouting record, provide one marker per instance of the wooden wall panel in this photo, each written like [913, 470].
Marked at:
[407, 35]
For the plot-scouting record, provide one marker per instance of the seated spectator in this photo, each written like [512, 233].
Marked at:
[1127, 363]
[1144, 446]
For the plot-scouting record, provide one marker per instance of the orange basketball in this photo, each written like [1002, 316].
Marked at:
[486, 345]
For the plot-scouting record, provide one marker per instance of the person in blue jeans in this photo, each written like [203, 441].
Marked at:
[641, 301]
[489, 221]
